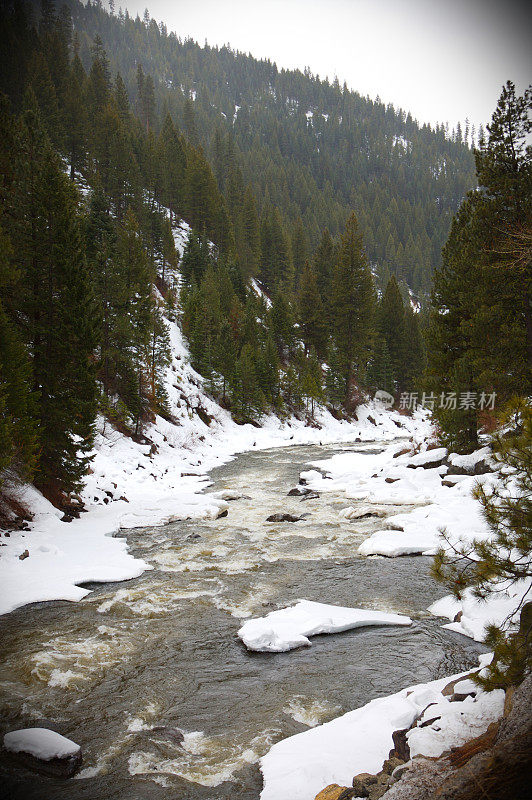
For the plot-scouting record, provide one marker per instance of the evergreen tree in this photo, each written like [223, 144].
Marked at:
[504, 558]
[479, 338]
[247, 398]
[323, 264]
[352, 306]
[311, 315]
[391, 319]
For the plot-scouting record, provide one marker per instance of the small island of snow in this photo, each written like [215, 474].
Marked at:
[288, 628]
[41, 743]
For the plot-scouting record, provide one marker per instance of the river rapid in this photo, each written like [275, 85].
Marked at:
[149, 677]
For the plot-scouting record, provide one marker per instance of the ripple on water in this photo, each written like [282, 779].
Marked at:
[201, 759]
[310, 712]
[84, 658]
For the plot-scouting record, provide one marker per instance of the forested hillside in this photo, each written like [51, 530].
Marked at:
[109, 158]
[309, 149]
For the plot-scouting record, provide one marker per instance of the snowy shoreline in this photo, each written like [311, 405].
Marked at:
[134, 485]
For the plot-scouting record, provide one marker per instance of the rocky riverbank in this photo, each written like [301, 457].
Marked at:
[495, 765]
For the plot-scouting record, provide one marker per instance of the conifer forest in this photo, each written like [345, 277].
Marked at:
[205, 254]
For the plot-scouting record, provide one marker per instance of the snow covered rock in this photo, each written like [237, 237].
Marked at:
[477, 463]
[391, 543]
[430, 459]
[45, 751]
[288, 628]
[361, 513]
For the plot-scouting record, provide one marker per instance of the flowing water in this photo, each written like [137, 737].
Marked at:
[150, 678]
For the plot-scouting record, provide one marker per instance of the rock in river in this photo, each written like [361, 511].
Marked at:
[44, 751]
[283, 518]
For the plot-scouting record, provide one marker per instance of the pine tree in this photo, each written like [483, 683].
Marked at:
[480, 333]
[281, 323]
[173, 166]
[380, 371]
[311, 315]
[18, 428]
[391, 319]
[312, 380]
[76, 121]
[189, 118]
[498, 562]
[250, 248]
[247, 399]
[352, 306]
[323, 264]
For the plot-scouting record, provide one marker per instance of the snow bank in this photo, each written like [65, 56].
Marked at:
[288, 628]
[40, 743]
[359, 741]
[498, 609]
[135, 485]
[393, 543]
[436, 502]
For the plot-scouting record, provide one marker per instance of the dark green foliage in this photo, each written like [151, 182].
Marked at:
[312, 319]
[55, 302]
[380, 370]
[503, 559]
[248, 400]
[352, 306]
[405, 180]
[18, 429]
[480, 335]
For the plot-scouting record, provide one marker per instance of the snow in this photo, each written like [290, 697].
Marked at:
[288, 628]
[477, 614]
[362, 477]
[301, 766]
[40, 743]
[458, 722]
[258, 291]
[135, 485]
[390, 543]
[428, 457]
[469, 461]
[382, 480]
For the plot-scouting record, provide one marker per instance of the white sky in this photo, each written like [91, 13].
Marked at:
[442, 60]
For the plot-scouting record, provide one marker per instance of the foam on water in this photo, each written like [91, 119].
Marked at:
[310, 712]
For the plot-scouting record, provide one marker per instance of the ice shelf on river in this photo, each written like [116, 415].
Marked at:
[288, 628]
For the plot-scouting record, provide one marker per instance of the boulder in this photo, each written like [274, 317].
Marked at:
[403, 452]
[336, 792]
[299, 491]
[360, 788]
[366, 778]
[310, 496]
[283, 518]
[391, 763]
[362, 513]
[377, 791]
[45, 751]
[390, 480]
[449, 688]
[401, 748]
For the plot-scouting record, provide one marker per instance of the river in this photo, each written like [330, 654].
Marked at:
[150, 677]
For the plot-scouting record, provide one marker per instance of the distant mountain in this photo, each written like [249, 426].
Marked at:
[313, 149]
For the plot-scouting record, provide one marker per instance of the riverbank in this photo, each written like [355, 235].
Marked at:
[165, 648]
[437, 486]
[153, 482]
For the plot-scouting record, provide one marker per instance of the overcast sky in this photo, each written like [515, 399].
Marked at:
[442, 60]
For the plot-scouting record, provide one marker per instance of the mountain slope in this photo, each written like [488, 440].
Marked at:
[313, 149]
